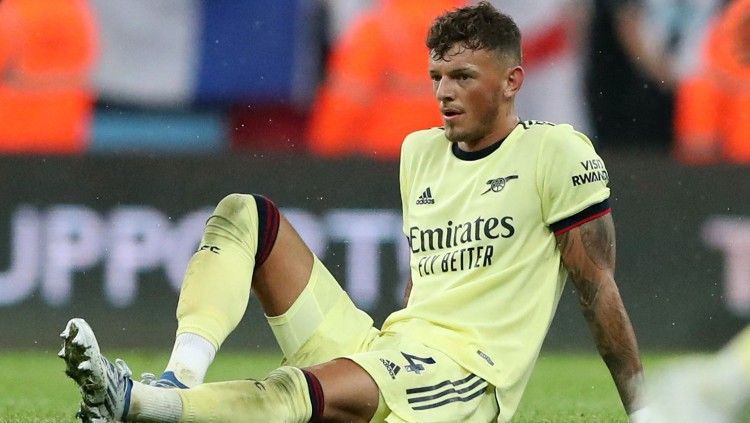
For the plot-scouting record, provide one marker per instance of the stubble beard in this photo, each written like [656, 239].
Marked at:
[470, 135]
[453, 134]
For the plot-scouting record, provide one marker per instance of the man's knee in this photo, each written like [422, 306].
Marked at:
[253, 219]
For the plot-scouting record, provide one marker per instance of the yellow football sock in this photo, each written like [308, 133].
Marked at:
[282, 397]
[216, 287]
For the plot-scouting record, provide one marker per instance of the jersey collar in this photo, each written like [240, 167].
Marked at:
[479, 154]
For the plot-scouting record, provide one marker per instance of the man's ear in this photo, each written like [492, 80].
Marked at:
[513, 81]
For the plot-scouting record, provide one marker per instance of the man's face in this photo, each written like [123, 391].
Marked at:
[468, 84]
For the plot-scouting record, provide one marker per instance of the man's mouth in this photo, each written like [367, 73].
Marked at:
[451, 113]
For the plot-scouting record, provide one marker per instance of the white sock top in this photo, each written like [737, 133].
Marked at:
[191, 356]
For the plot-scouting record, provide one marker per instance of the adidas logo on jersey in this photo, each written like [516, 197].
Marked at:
[426, 197]
[392, 367]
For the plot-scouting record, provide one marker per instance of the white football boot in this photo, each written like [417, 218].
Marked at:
[105, 387]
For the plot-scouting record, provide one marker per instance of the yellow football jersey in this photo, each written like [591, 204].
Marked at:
[486, 271]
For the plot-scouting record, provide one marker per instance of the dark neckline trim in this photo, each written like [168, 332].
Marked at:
[470, 156]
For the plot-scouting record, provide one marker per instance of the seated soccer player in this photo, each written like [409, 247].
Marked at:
[497, 212]
[706, 390]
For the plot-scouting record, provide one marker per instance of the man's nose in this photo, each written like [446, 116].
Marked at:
[444, 90]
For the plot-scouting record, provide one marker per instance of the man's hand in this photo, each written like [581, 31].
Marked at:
[588, 253]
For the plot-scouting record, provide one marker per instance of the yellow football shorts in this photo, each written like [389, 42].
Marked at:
[417, 383]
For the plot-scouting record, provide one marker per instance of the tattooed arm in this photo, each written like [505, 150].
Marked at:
[588, 252]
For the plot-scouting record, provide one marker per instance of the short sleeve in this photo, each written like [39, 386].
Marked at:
[572, 180]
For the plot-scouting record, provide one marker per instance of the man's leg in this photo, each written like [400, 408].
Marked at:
[240, 237]
[338, 391]
[245, 240]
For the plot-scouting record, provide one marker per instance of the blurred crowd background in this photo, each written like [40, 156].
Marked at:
[340, 78]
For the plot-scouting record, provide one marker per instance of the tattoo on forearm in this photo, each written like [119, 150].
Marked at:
[586, 251]
[589, 255]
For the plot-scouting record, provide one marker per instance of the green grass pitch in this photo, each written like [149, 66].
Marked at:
[564, 387]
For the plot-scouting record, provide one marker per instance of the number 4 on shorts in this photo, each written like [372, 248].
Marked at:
[414, 362]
